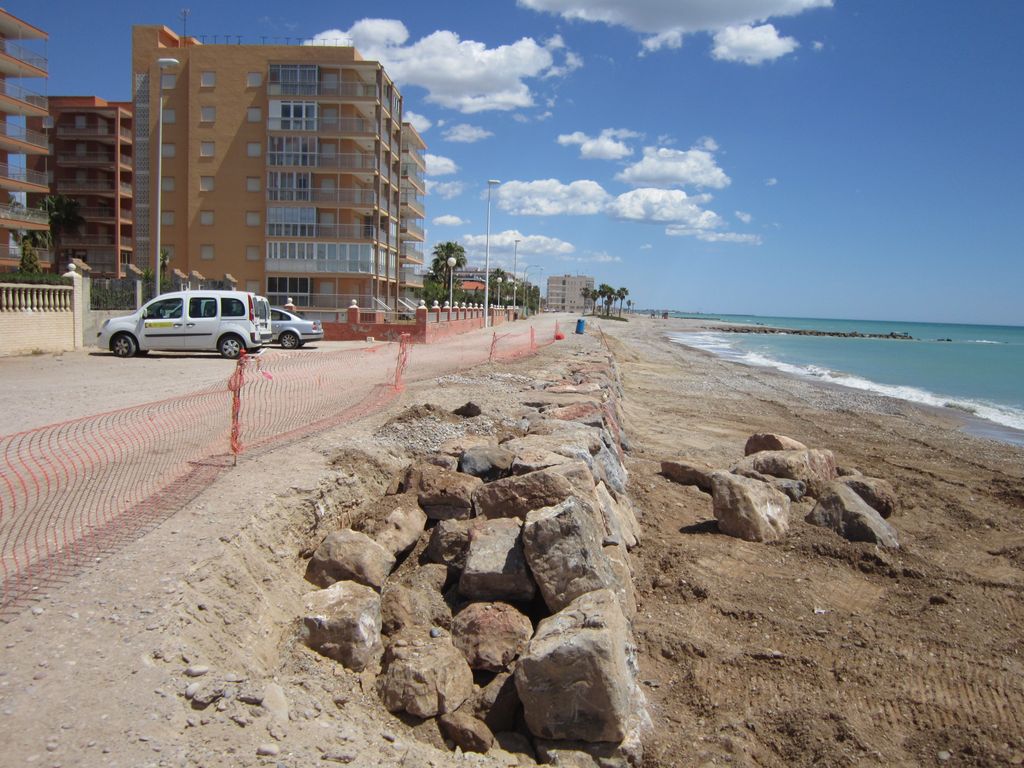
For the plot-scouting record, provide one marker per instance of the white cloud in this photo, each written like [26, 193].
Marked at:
[600, 257]
[746, 218]
[466, 134]
[664, 206]
[419, 122]
[712, 236]
[607, 146]
[550, 197]
[817, 45]
[661, 167]
[536, 245]
[751, 45]
[666, 22]
[446, 190]
[448, 221]
[771, 182]
[459, 74]
[706, 143]
[437, 165]
[646, 247]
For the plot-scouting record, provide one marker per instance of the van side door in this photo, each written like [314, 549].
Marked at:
[202, 325]
[163, 324]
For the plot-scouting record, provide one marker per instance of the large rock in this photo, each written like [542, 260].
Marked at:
[343, 622]
[488, 462]
[491, 635]
[563, 546]
[417, 600]
[449, 542]
[689, 472]
[749, 509]
[348, 555]
[466, 732]
[846, 513]
[423, 675]
[495, 565]
[497, 703]
[580, 476]
[395, 522]
[441, 493]
[619, 524]
[608, 467]
[817, 468]
[590, 413]
[529, 459]
[520, 494]
[879, 495]
[767, 441]
[575, 680]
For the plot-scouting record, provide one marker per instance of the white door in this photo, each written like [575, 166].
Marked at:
[163, 324]
[201, 323]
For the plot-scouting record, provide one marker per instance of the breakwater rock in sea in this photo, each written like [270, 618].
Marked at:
[898, 335]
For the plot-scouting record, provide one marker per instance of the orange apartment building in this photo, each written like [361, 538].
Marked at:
[91, 162]
[17, 142]
[413, 211]
[280, 169]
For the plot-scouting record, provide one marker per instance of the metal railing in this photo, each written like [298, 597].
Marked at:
[85, 185]
[349, 196]
[96, 129]
[97, 212]
[87, 239]
[346, 161]
[104, 158]
[321, 266]
[343, 231]
[24, 175]
[21, 53]
[21, 133]
[323, 124]
[353, 90]
[409, 228]
[13, 253]
[24, 94]
[21, 213]
[126, 189]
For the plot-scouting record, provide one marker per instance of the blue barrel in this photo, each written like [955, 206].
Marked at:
[581, 326]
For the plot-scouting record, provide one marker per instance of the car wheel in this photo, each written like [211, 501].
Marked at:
[290, 340]
[123, 345]
[230, 347]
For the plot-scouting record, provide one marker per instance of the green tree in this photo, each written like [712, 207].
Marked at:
[65, 219]
[621, 295]
[495, 292]
[607, 294]
[435, 283]
[31, 242]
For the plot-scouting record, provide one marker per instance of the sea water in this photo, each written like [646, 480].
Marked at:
[975, 369]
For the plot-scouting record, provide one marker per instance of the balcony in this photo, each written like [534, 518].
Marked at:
[86, 158]
[86, 239]
[412, 253]
[414, 203]
[18, 138]
[412, 279]
[21, 101]
[412, 230]
[330, 125]
[321, 266]
[92, 186]
[324, 231]
[13, 253]
[18, 216]
[97, 131]
[353, 161]
[102, 261]
[16, 178]
[97, 212]
[340, 90]
[413, 174]
[358, 198]
[18, 61]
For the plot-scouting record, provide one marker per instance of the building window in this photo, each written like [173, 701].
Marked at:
[207, 114]
[206, 149]
[252, 218]
[206, 252]
[252, 183]
[289, 185]
[292, 150]
[207, 79]
[206, 218]
[167, 218]
[253, 80]
[252, 253]
[167, 150]
[168, 80]
[254, 115]
[253, 149]
[167, 184]
[169, 115]
[206, 183]
[293, 115]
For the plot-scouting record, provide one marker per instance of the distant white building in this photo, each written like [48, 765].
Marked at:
[565, 292]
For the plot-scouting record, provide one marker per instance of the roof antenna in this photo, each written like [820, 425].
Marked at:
[183, 15]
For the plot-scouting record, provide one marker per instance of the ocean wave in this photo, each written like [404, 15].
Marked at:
[999, 414]
[984, 341]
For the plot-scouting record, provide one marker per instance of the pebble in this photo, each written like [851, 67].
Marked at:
[388, 736]
[197, 670]
[192, 690]
[268, 750]
[36, 610]
[436, 632]
[944, 755]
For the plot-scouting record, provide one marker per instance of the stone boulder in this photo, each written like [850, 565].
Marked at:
[348, 555]
[795, 489]
[520, 494]
[817, 468]
[749, 509]
[491, 635]
[689, 472]
[495, 564]
[395, 522]
[620, 525]
[416, 600]
[624, 588]
[574, 679]
[444, 494]
[532, 459]
[580, 476]
[767, 441]
[608, 467]
[449, 542]
[846, 513]
[488, 462]
[563, 546]
[879, 494]
[343, 622]
[497, 703]
[423, 675]
[466, 732]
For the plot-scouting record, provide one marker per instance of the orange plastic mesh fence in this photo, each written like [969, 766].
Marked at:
[75, 491]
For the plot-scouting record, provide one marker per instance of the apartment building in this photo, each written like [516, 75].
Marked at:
[278, 169]
[565, 292]
[92, 163]
[19, 60]
[413, 211]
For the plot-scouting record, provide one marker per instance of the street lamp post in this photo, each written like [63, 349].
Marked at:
[487, 257]
[499, 281]
[162, 64]
[515, 262]
[451, 279]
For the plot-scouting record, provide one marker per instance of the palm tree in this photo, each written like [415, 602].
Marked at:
[629, 306]
[621, 295]
[442, 252]
[589, 294]
[607, 294]
[64, 219]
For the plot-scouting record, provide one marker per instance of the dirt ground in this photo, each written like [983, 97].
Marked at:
[809, 651]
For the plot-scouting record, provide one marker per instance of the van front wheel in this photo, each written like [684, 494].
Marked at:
[230, 347]
[123, 345]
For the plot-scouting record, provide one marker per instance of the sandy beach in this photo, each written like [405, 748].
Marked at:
[809, 651]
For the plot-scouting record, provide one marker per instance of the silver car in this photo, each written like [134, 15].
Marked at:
[291, 330]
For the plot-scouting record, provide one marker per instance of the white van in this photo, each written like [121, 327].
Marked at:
[218, 321]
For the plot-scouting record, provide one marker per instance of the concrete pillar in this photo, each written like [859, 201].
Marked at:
[77, 305]
[353, 313]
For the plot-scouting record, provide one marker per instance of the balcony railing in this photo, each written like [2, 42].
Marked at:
[24, 94]
[96, 212]
[357, 161]
[85, 185]
[323, 125]
[96, 129]
[21, 133]
[21, 53]
[412, 229]
[101, 158]
[88, 239]
[411, 172]
[13, 253]
[345, 90]
[412, 278]
[24, 175]
[21, 213]
[339, 231]
[126, 189]
[412, 251]
[333, 266]
[360, 197]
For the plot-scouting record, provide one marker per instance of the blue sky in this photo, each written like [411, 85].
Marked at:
[823, 158]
